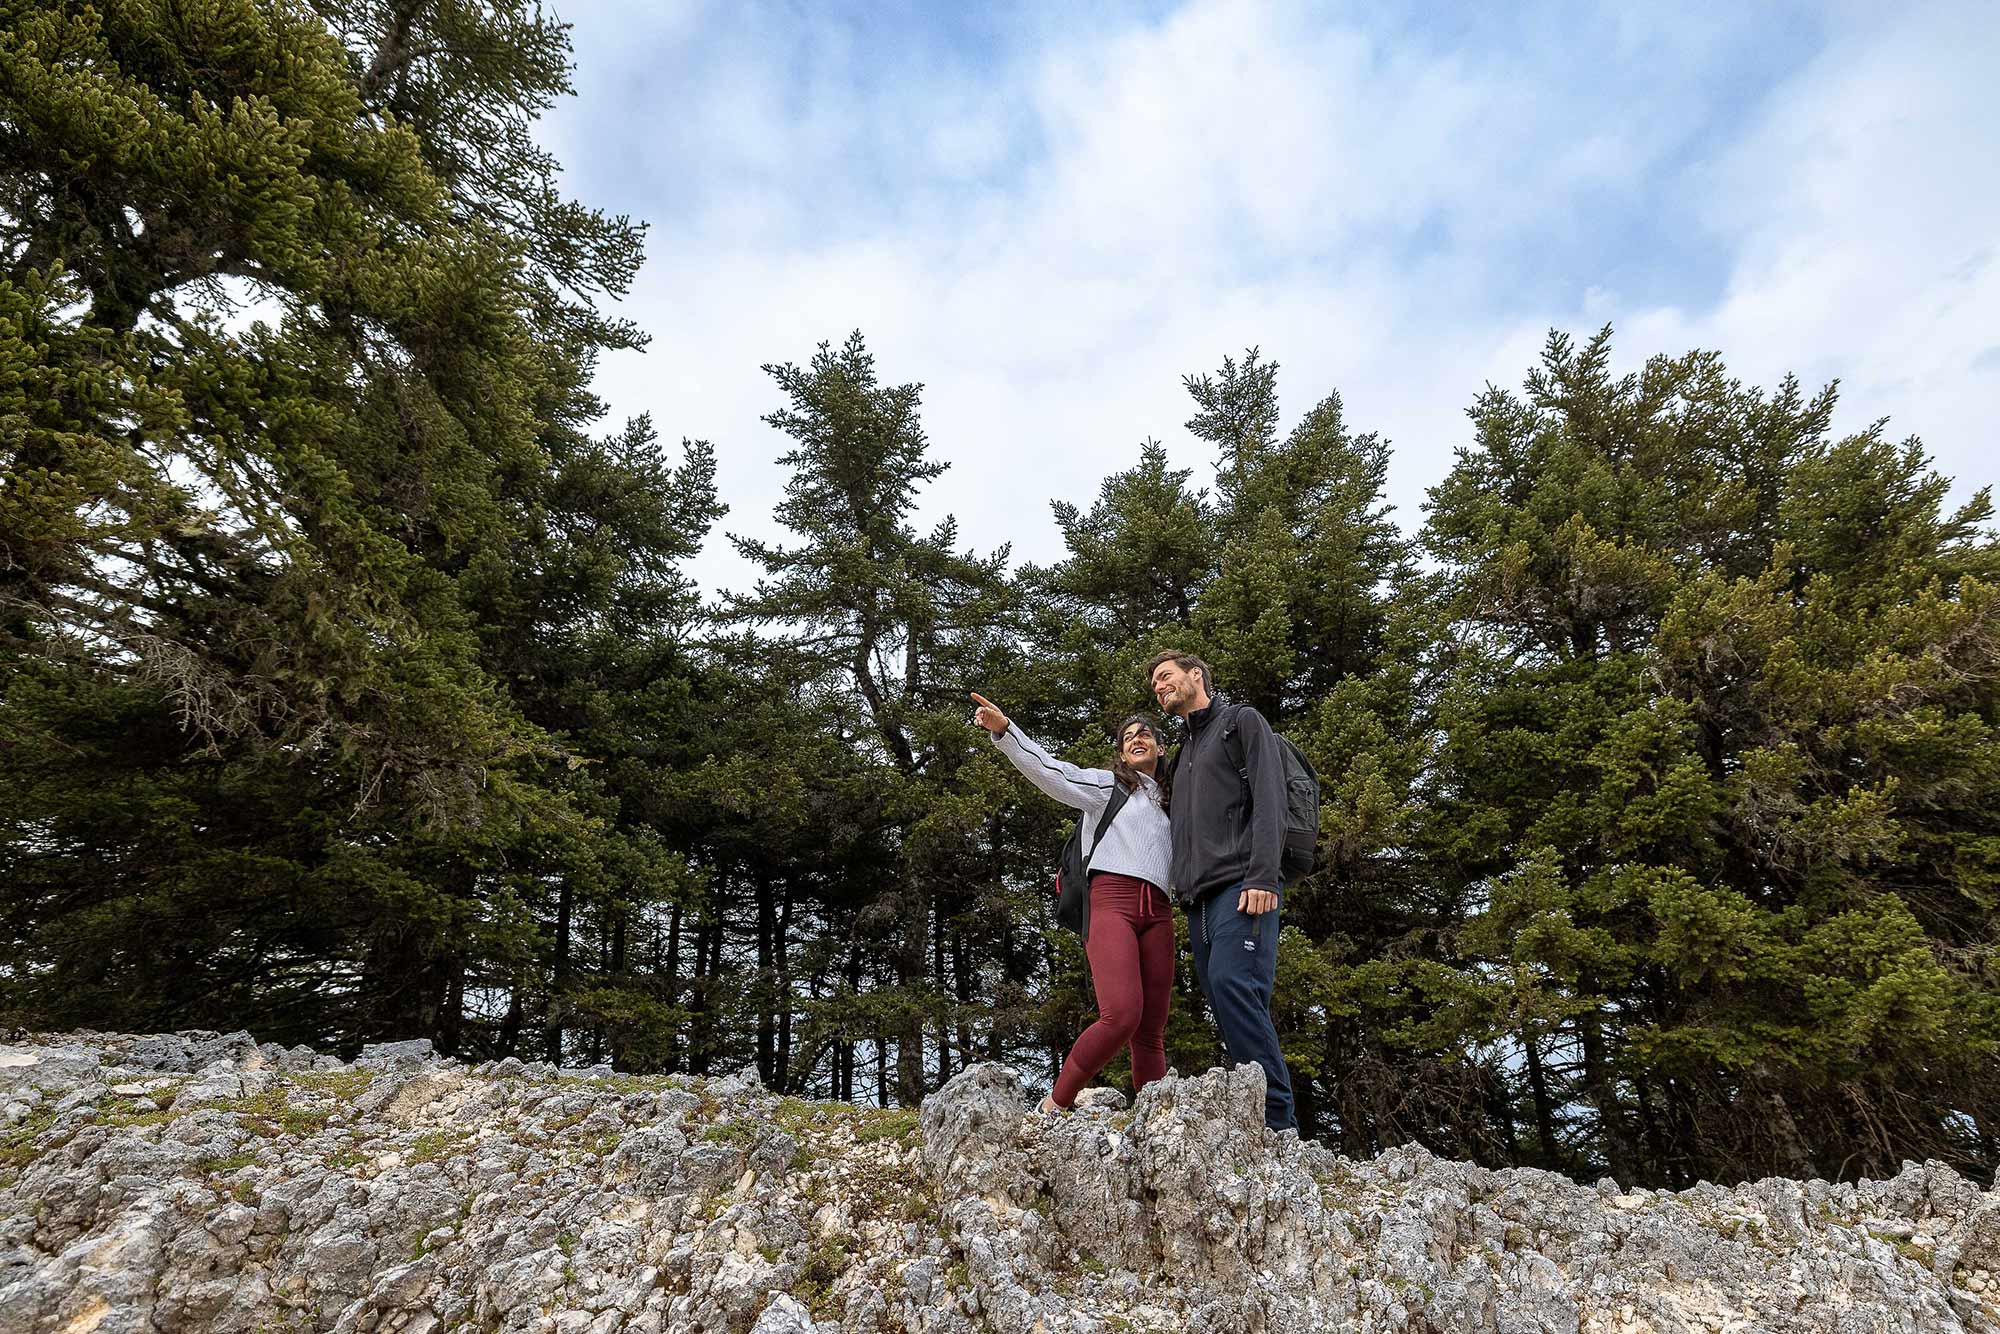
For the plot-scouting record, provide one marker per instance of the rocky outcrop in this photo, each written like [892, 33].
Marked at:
[204, 1182]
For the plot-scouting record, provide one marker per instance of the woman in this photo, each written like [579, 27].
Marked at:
[1128, 925]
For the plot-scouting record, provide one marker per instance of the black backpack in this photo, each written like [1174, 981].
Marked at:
[1073, 871]
[1301, 802]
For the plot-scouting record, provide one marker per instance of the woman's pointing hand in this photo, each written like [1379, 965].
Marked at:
[989, 715]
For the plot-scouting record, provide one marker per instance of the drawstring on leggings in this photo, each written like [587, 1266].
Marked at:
[1146, 908]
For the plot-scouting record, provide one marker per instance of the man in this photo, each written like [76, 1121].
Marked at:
[1228, 817]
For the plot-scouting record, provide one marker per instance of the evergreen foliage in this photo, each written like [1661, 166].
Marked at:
[1716, 775]
[352, 685]
[902, 620]
[298, 493]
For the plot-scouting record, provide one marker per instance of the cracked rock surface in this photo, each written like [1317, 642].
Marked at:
[202, 1181]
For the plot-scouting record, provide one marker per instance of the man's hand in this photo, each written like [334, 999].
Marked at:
[989, 715]
[1254, 901]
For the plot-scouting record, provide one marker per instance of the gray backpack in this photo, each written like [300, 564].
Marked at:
[1301, 801]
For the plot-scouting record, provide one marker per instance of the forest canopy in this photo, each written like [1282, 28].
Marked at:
[352, 684]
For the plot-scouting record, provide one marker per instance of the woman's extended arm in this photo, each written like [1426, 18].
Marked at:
[1085, 789]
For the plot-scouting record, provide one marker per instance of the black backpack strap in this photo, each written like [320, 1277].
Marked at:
[1111, 808]
[1232, 737]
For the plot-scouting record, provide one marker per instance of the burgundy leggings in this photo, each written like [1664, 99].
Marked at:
[1131, 953]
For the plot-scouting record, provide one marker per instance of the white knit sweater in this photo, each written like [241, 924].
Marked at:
[1138, 843]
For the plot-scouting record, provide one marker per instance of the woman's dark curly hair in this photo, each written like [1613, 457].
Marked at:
[1127, 776]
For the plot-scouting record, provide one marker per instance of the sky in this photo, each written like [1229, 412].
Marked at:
[1049, 217]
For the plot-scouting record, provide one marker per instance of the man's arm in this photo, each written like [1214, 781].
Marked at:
[1264, 770]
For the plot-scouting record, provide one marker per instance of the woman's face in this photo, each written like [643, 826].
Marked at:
[1138, 747]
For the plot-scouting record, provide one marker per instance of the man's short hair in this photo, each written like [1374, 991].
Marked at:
[1187, 662]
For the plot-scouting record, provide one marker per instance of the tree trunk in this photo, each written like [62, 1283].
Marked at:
[767, 932]
[1656, 1146]
[1012, 965]
[1385, 1123]
[603, 969]
[784, 988]
[1793, 1158]
[559, 976]
[912, 966]
[510, 1026]
[1339, 1078]
[698, 1003]
[711, 1025]
[1500, 1110]
[1545, 1113]
[451, 1017]
[1603, 1095]
[616, 973]
[1690, 1161]
[1305, 1100]
[392, 54]
[961, 987]
[674, 984]
[849, 1055]
[941, 986]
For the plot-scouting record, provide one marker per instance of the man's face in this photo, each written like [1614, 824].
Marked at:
[1175, 688]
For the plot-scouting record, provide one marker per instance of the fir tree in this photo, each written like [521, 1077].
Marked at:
[901, 618]
[276, 581]
[1682, 779]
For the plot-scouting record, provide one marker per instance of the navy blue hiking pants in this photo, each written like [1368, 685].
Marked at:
[1236, 962]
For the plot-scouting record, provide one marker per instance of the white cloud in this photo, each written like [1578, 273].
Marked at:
[1051, 246]
[1864, 211]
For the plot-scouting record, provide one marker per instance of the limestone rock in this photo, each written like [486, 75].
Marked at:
[396, 1055]
[201, 1182]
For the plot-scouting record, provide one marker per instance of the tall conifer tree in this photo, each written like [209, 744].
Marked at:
[269, 582]
[1716, 671]
[901, 618]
